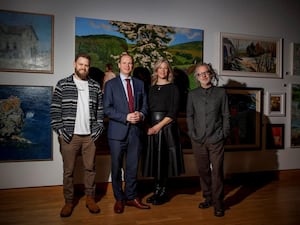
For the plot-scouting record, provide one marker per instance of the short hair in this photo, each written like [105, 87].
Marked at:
[125, 54]
[109, 66]
[83, 55]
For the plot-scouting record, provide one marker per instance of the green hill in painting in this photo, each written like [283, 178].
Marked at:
[103, 47]
[100, 48]
[187, 53]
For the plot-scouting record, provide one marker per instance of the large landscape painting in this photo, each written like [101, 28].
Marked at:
[105, 40]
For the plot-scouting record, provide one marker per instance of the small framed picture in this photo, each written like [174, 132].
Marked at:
[275, 136]
[275, 104]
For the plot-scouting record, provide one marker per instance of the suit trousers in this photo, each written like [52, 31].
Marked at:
[79, 144]
[210, 160]
[130, 149]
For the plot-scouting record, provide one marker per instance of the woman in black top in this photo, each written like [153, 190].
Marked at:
[164, 156]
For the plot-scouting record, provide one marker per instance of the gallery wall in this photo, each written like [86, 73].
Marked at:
[270, 18]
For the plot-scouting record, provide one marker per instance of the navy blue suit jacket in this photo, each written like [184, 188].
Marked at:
[116, 106]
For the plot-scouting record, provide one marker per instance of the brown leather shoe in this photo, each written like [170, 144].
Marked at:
[91, 205]
[137, 203]
[67, 210]
[119, 207]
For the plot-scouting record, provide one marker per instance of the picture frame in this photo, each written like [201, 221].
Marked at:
[295, 112]
[26, 42]
[295, 59]
[25, 132]
[108, 39]
[245, 105]
[274, 136]
[275, 104]
[250, 56]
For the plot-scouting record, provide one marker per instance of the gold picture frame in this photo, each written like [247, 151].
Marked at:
[245, 105]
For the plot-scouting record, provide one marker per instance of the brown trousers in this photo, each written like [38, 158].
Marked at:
[84, 145]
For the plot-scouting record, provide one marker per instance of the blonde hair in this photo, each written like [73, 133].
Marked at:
[155, 68]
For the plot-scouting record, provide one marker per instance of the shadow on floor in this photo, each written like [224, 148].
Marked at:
[236, 188]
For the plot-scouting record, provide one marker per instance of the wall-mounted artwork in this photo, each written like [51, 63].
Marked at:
[275, 136]
[245, 105]
[105, 40]
[275, 104]
[295, 115]
[26, 42]
[25, 131]
[295, 68]
[250, 56]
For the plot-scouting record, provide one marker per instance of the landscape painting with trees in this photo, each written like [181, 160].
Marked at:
[105, 40]
[244, 55]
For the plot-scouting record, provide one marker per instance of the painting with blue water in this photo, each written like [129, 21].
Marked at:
[25, 130]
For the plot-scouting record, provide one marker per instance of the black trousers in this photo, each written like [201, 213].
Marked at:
[210, 160]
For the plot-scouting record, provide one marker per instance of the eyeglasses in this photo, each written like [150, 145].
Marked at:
[205, 73]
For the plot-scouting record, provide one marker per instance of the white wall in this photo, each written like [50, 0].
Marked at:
[271, 18]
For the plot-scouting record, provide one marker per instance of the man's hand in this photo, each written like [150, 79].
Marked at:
[134, 117]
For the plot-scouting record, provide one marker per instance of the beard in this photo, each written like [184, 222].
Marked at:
[82, 74]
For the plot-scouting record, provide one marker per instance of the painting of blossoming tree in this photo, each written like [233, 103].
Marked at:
[105, 40]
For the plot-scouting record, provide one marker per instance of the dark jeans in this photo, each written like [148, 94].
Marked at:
[210, 160]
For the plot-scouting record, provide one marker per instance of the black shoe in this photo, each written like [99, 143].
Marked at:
[151, 198]
[156, 192]
[219, 212]
[161, 198]
[205, 205]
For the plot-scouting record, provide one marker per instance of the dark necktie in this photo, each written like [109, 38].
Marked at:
[130, 96]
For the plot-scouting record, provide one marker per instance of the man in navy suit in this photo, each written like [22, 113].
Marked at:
[125, 131]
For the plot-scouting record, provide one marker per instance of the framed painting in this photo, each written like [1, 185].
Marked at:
[295, 67]
[275, 136]
[295, 115]
[250, 56]
[245, 105]
[275, 104]
[26, 42]
[106, 40]
[25, 132]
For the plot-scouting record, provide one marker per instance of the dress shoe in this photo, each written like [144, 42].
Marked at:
[67, 210]
[137, 203]
[119, 207]
[205, 205]
[151, 198]
[155, 193]
[161, 198]
[91, 205]
[219, 212]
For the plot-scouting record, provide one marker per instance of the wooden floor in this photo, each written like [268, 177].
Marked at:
[251, 199]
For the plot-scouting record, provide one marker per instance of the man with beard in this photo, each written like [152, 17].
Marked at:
[77, 118]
